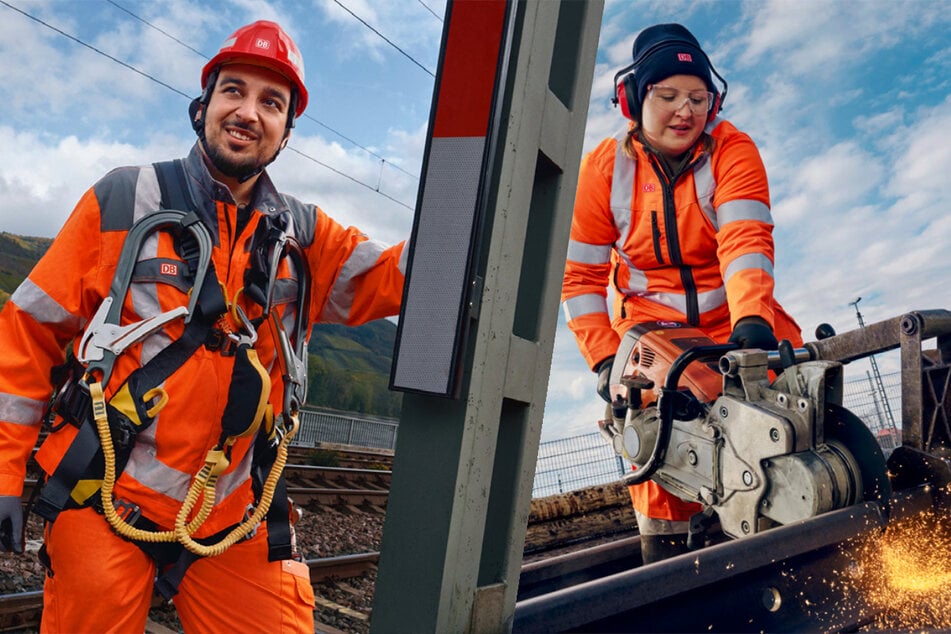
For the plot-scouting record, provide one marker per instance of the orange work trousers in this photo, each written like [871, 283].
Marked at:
[103, 583]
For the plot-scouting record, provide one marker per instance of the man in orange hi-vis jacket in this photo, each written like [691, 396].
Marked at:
[673, 213]
[187, 290]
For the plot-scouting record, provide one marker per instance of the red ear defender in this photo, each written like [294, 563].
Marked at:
[716, 107]
[627, 96]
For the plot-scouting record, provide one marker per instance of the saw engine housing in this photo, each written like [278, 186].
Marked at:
[708, 423]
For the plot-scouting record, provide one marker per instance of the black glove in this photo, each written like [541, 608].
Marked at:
[11, 524]
[604, 378]
[754, 332]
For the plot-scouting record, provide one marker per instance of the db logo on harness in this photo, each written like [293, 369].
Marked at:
[168, 269]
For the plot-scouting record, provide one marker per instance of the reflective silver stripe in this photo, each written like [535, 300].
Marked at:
[20, 410]
[637, 284]
[705, 187]
[744, 209]
[145, 300]
[148, 194]
[35, 302]
[747, 262]
[231, 482]
[589, 253]
[404, 257]
[361, 260]
[710, 300]
[152, 473]
[586, 304]
[622, 190]
[706, 301]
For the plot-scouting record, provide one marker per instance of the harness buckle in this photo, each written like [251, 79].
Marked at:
[128, 511]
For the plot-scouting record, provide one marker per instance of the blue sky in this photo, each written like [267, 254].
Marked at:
[849, 102]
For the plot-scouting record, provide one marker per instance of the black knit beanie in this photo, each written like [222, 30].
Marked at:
[663, 50]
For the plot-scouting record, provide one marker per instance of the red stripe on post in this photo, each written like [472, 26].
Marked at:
[470, 65]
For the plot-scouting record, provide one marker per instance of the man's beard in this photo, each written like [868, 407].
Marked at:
[230, 168]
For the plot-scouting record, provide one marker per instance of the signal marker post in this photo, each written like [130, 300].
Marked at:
[477, 327]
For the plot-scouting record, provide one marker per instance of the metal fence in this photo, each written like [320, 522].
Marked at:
[581, 461]
[318, 425]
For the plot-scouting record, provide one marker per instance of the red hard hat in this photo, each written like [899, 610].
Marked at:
[263, 43]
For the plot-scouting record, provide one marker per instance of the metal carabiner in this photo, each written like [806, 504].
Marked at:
[250, 334]
[104, 339]
[101, 337]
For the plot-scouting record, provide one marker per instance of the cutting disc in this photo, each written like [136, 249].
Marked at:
[847, 428]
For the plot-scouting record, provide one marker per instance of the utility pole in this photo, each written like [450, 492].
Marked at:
[876, 373]
[875, 399]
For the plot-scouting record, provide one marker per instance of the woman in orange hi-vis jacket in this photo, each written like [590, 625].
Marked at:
[186, 291]
[673, 213]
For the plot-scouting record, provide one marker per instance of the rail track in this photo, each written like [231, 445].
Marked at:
[360, 480]
[569, 523]
[328, 486]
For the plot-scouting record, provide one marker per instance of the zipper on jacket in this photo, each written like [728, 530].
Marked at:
[692, 307]
[655, 237]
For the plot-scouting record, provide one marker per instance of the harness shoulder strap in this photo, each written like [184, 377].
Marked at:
[173, 184]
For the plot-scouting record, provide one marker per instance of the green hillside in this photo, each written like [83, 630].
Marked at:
[348, 368]
[18, 254]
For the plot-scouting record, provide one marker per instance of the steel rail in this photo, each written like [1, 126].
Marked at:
[771, 581]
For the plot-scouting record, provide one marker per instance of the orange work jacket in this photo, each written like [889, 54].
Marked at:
[353, 280]
[695, 249]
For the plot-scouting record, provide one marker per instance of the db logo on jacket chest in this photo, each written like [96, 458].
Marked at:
[167, 268]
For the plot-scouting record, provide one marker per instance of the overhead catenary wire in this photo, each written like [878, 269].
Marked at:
[159, 29]
[187, 96]
[385, 39]
[93, 48]
[435, 15]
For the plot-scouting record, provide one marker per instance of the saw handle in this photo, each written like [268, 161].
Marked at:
[673, 400]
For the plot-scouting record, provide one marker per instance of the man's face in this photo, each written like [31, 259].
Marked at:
[246, 118]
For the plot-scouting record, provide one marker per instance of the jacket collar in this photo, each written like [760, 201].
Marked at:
[206, 190]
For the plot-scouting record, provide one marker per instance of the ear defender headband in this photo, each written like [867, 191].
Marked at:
[625, 87]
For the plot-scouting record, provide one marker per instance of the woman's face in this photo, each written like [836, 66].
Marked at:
[668, 121]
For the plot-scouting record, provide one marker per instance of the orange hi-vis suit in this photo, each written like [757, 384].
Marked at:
[698, 250]
[352, 280]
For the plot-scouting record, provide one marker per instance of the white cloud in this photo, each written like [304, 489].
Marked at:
[44, 178]
[847, 102]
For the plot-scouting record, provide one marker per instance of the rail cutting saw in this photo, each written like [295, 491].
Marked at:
[759, 438]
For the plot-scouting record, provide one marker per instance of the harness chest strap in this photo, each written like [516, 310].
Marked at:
[76, 479]
[87, 450]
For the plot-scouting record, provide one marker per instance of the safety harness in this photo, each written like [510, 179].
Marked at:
[107, 429]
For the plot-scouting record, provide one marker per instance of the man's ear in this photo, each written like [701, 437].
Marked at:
[287, 137]
[196, 114]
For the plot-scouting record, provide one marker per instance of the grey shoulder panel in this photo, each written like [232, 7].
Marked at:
[305, 219]
[126, 194]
